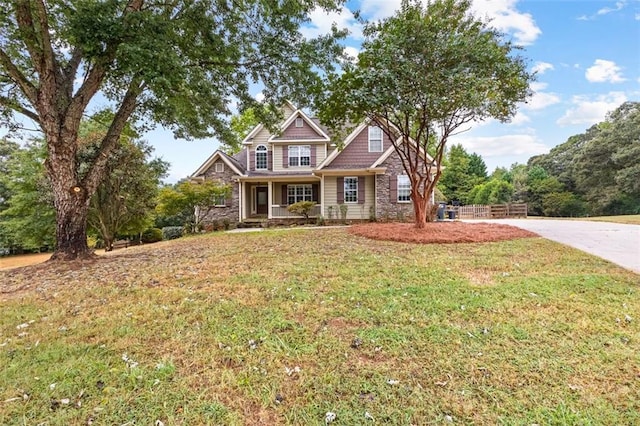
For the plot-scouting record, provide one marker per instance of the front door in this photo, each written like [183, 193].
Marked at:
[262, 200]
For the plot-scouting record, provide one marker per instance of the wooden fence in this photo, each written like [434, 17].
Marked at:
[494, 211]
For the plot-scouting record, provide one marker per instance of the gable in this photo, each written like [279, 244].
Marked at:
[218, 157]
[300, 128]
[355, 153]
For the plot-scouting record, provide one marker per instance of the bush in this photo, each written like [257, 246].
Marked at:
[301, 208]
[151, 235]
[320, 220]
[172, 232]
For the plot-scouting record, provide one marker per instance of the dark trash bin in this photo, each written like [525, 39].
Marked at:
[452, 214]
[441, 208]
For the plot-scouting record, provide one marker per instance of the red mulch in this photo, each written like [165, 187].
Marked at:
[440, 232]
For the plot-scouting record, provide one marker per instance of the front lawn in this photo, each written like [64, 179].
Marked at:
[282, 327]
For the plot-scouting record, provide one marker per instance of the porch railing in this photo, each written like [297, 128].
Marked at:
[282, 212]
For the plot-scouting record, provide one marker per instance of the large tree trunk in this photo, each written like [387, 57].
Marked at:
[71, 230]
[71, 201]
[420, 210]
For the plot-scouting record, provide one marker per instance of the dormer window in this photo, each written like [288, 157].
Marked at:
[299, 122]
[375, 139]
[261, 157]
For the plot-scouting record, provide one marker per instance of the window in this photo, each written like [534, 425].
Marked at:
[375, 139]
[299, 122]
[351, 190]
[219, 167]
[261, 157]
[299, 155]
[220, 201]
[404, 189]
[297, 193]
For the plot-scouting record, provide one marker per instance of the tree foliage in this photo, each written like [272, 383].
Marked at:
[462, 172]
[122, 204]
[421, 75]
[191, 200]
[178, 63]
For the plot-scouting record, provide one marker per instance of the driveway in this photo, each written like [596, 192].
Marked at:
[617, 243]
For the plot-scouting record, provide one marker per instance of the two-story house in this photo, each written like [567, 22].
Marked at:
[364, 179]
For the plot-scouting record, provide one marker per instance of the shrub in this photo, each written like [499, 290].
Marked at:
[151, 235]
[343, 211]
[302, 208]
[172, 232]
[320, 220]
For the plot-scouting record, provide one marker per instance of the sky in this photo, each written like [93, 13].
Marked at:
[586, 54]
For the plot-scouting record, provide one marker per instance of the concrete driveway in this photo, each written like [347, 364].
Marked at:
[617, 243]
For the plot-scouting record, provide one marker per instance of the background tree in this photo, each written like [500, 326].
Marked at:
[192, 200]
[123, 203]
[462, 172]
[241, 124]
[421, 75]
[125, 200]
[28, 221]
[177, 63]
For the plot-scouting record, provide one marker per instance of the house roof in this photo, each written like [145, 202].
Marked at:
[232, 162]
[322, 135]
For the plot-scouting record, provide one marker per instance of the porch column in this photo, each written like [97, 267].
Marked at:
[269, 199]
[322, 194]
[241, 189]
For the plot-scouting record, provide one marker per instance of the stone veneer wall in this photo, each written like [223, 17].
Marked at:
[387, 210]
[231, 210]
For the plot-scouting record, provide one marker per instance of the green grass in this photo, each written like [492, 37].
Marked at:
[513, 333]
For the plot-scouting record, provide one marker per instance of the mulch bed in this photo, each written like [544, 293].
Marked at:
[440, 232]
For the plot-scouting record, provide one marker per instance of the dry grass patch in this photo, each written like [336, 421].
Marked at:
[281, 327]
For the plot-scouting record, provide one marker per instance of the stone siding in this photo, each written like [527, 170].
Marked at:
[232, 209]
[387, 209]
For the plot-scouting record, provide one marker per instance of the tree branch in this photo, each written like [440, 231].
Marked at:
[24, 19]
[12, 104]
[128, 105]
[18, 78]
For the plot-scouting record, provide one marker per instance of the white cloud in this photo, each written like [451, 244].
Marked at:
[591, 110]
[259, 96]
[351, 52]
[506, 145]
[519, 119]
[606, 10]
[505, 17]
[637, 16]
[541, 67]
[379, 9]
[604, 71]
[540, 100]
[321, 22]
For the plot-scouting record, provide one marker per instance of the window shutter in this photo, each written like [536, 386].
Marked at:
[313, 156]
[393, 189]
[340, 190]
[314, 192]
[361, 181]
[285, 156]
[269, 160]
[252, 160]
[285, 194]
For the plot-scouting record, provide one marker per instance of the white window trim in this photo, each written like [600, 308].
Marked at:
[372, 128]
[398, 189]
[304, 187]
[219, 167]
[345, 189]
[299, 156]
[266, 158]
[217, 201]
[299, 122]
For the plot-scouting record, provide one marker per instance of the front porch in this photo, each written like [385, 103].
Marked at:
[265, 200]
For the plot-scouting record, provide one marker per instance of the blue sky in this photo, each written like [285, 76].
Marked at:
[586, 53]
